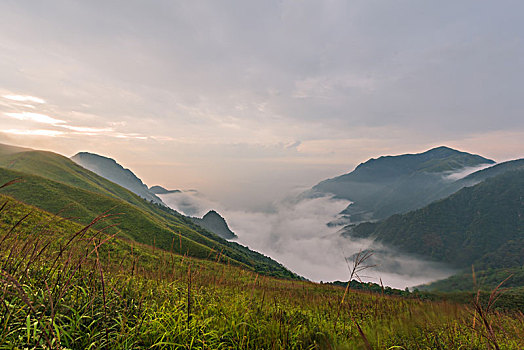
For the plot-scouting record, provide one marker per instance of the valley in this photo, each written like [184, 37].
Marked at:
[261, 175]
[85, 287]
[141, 240]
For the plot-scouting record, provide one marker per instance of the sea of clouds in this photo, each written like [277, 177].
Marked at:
[294, 232]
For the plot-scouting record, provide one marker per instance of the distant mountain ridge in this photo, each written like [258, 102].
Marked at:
[390, 185]
[215, 223]
[114, 172]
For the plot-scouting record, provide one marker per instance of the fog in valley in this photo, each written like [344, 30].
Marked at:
[294, 232]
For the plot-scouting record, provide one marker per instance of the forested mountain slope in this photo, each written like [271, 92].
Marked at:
[481, 225]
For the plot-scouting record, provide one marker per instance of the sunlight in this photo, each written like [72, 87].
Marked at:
[35, 117]
[24, 98]
[38, 132]
[86, 129]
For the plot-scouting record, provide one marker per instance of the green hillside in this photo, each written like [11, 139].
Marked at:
[59, 168]
[482, 225]
[56, 184]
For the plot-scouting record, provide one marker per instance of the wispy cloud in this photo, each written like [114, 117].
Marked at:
[129, 136]
[86, 129]
[24, 98]
[37, 132]
[35, 117]
[14, 108]
[457, 175]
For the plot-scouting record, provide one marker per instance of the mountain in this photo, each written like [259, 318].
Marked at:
[390, 185]
[108, 168]
[58, 185]
[161, 190]
[481, 225]
[215, 223]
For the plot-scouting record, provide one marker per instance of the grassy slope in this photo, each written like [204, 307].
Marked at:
[59, 168]
[83, 206]
[58, 183]
[135, 297]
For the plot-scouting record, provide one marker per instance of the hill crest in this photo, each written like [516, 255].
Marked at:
[110, 169]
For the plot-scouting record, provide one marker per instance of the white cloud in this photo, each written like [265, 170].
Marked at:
[35, 117]
[295, 234]
[24, 98]
[129, 136]
[85, 129]
[457, 175]
[37, 132]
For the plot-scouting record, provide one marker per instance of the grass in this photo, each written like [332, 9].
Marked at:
[69, 286]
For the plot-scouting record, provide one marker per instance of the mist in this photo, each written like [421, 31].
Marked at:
[457, 175]
[294, 232]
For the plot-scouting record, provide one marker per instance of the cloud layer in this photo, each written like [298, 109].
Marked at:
[295, 234]
[245, 99]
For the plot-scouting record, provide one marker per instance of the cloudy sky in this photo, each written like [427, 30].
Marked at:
[246, 100]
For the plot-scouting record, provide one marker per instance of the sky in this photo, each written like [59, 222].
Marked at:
[246, 101]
